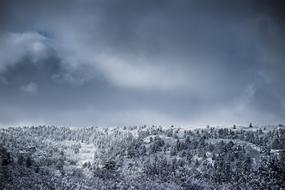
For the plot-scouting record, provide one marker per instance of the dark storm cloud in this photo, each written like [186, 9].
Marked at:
[133, 62]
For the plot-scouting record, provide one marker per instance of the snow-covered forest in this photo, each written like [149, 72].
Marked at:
[142, 157]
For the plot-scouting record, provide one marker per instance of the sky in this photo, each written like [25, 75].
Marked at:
[129, 62]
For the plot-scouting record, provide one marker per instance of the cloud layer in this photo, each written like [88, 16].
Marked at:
[131, 62]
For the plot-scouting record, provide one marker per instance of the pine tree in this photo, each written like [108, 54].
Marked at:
[29, 162]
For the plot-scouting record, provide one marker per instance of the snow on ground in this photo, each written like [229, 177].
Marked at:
[86, 153]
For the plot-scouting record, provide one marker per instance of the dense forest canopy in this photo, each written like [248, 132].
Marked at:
[144, 157]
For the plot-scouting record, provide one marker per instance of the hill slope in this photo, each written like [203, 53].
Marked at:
[49, 157]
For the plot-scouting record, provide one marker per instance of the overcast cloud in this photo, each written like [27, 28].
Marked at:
[130, 62]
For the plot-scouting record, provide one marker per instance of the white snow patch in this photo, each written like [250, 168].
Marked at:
[86, 153]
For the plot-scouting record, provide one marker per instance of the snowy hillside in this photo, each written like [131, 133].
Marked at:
[49, 157]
